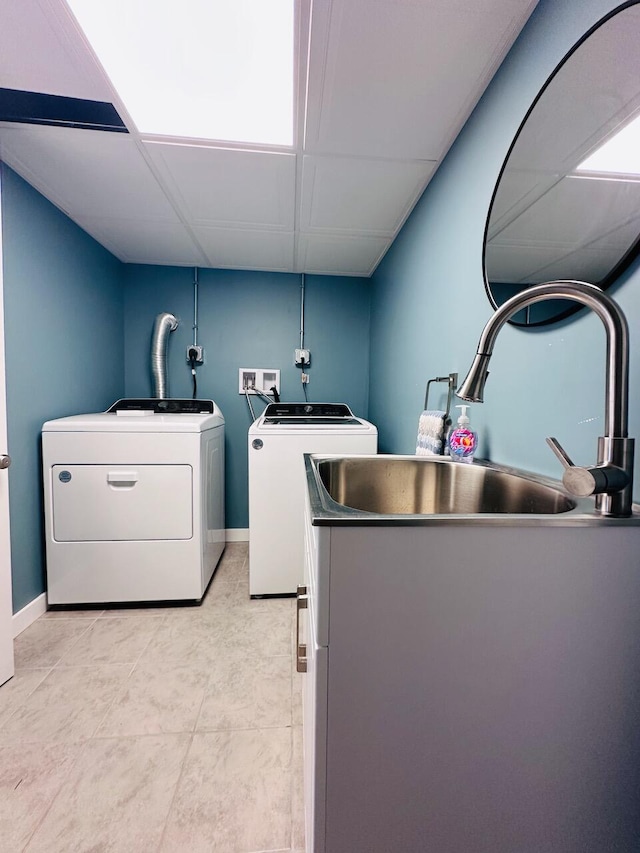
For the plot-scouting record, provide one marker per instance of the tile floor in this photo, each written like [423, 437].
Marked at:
[173, 729]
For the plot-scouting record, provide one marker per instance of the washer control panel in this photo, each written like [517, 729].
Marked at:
[301, 413]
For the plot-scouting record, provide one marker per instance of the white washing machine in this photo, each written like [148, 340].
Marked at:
[134, 502]
[277, 441]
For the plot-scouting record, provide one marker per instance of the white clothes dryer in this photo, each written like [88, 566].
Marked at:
[134, 502]
[278, 440]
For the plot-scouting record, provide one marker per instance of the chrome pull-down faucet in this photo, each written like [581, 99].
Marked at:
[611, 480]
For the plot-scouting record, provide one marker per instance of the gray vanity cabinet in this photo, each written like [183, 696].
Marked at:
[459, 700]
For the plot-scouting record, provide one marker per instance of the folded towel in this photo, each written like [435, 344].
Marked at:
[431, 433]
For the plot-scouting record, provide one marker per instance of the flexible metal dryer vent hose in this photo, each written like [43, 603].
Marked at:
[164, 324]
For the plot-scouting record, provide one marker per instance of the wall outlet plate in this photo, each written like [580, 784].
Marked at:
[199, 356]
[262, 378]
[302, 357]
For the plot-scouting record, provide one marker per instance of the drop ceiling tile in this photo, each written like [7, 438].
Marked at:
[590, 265]
[86, 172]
[42, 51]
[510, 264]
[576, 211]
[246, 249]
[360, 196]
[249, 189]
[141, 241]
[339, 255]
[518, 190]
[622, 237]
[398, 78]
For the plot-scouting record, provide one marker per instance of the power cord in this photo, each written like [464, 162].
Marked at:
[193, 354]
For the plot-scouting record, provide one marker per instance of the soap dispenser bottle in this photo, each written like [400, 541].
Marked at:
[463, 441]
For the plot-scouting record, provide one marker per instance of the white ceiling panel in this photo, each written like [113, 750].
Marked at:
[359, 195]
[41, 51]
[527, 263]
[336, 255]
[519, 189]
[589, 264]
[536, 264]
[86, 172]
[142, 241]
[382, 89]
[511, 264]
[575, 212]
[622, 237]
[398, 78]
[247, 188]
[246, 249]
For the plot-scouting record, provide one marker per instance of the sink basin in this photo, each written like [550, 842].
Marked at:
[399, 485]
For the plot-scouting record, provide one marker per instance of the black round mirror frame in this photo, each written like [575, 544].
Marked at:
[630, 255]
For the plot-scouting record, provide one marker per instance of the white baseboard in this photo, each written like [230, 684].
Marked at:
[28, 615]
[237, 534]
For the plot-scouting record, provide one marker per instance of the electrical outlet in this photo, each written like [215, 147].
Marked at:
[302, 357]
[305, 378]
[199, 354]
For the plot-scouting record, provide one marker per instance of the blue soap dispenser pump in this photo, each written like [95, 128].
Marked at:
[463, 441]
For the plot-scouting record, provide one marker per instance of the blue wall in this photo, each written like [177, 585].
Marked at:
[71, 326]
[64, 350]
[429, 303]
[249, 319]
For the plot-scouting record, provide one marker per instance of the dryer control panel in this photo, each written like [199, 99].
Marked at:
[164, 406]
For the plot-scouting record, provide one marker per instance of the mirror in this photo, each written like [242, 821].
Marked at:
[553, 215]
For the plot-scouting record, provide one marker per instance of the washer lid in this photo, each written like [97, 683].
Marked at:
[142, 419]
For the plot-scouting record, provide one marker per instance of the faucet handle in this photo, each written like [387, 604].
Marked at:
[581, 482]
[560, 452]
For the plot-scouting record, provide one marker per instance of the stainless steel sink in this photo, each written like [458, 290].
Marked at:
[392, 485]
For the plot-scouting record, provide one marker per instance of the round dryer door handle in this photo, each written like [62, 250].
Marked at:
[5, 460]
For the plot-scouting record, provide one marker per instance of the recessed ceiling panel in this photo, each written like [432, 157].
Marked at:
[204, 69]
[86, 172]
[141, 241]
[251, 189]
[235, 249]
[360, 195]
[397, 78]
[334, 255]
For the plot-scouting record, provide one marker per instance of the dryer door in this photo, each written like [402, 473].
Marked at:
[121, 502]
